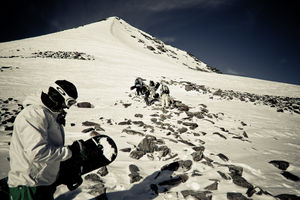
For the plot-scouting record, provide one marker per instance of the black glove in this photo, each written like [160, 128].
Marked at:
[77, 148]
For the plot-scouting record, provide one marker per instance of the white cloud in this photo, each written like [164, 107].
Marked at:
[167, 5]
[231, 71]
[168, 39]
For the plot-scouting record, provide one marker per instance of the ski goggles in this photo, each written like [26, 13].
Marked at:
[69, 101]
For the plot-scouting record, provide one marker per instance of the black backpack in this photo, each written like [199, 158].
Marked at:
[165, 89]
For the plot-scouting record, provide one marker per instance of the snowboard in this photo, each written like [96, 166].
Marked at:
[98, 151]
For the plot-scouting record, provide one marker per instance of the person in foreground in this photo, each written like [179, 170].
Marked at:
[37, 144]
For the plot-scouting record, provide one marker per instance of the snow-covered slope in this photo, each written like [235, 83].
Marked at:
[222, 125]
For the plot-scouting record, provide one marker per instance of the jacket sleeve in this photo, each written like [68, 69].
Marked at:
[35, 139]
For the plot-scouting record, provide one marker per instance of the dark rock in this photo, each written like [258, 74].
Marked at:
[126, 122]
[134, 169]
[197, 155]
[219, 92]
[186, 142]
[186, 165]
[87, 130]
[126, 149]
[126, 105]
[93, 177]
[138, 123]
[245, 134]
[88, 123]
[84, 105]
[224, 176]
[98, 189]
[219, 134]
[182, 107]
[287, 197]
[256, 190]
[150, 48]
[240, 181]
[199, 195]
[223, 157]
[135, 178]
[289, 176]
[243, 124]
[191, 125]
[235, 170]
[138, 115]
[136, 154]
[8, 128]
[213, 186]
[280, 164]
[182, 130]
[102, 171]
[72, 124]
[196, 173]
[132, 132]
[236, 196]
[280, 110]
[147, 145]
[200, 148]
[165, 150]
[188, 88]
[154, 120]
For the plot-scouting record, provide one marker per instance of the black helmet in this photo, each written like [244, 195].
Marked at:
[62, 94]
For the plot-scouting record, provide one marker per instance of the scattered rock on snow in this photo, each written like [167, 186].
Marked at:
[93, 177]
[223, 157]
[213, 186]
[132, 132]
[84, 105]
[287, 197]
[136, 154]
[134, 173]
[126, 149]
[236, 196]
[219, 134]
[280, 164]
[199, 195]
[290, 176]
[102, 171]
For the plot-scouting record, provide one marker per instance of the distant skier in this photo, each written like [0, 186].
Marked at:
[165, 95]
[138, 85]
[37, 145]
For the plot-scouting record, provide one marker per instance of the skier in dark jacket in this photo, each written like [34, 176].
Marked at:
[138, 85]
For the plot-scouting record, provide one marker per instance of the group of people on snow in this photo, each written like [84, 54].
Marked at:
[150, 92]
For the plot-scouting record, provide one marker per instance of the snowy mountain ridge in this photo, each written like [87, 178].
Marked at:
[226, 137]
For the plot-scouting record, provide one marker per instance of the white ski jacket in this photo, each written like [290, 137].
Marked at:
[37, 148]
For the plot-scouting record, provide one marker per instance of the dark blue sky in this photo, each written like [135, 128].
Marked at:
[254, 38]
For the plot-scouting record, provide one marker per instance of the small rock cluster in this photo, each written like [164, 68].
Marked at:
[56, 55]
[290, 104]
[7, 68]
[9, 109]
[63, 55]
